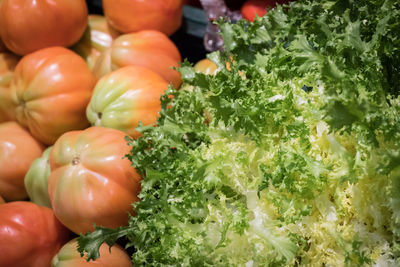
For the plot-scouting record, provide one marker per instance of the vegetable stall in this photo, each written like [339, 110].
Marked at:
[125, 147]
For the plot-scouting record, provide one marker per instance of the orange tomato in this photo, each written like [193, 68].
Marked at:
[18, 149]
[137, 15]
[51, 89]
[126, 96]
[30, 235]
[98, 36]
[91, 181]
[8, 62]
[206, 66]
[149, 49]
[68, 256]
[30, 25]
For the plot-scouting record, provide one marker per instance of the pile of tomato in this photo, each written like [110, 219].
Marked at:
[72, 86]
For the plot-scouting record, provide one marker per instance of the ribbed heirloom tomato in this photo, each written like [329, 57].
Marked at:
[30, 235]
[136, 15]
[126, 96]
[98, 36]
[150, 49]
[18, 149]
[29, 25]
[91, 181]
[68, 256]
[51, 89]
[8, 62]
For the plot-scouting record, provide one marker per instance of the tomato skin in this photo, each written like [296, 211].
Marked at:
[30, 235]
[206, 66]
[36, 180]
[51, 89]
[91, 181]
[149, 49]
[126, 96]
[30, 25]
[97, 37]
[8, 62]
[18, 149]
[136, 15]
[2, 201]
[68, 256]
[252, 7]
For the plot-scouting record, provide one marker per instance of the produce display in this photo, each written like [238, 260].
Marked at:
[280, 147]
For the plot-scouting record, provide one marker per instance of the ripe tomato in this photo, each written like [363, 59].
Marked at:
[51, 89]
[150, 49]
[30, 25]
[137, 15]
[68, 256]
[91, 181]
[8, 62]
[30, 235]
[18, 149]
[252, 7]
[98, 36]
[126, 96]
[36, 180]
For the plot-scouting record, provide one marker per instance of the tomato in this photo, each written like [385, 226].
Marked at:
[150, 49]
[68, 256]
[136, 15]
[8, 62]
[91, 181]
[206, 66]
[252, 7]
[30, 235]
[98, 37]
[18, 149]
[126, 96]
[30, 25]
[51, 89]
[36, 180]
[2, 201]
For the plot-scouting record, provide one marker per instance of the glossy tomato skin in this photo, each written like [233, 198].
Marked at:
[91, 181]
[68, 256]
[126, 96]
[36, 180]
[51, 89]
[252, 7]
[30, 25]
[18, 149]
[30, 235]
[8, 61]
[97, 37]
[136, 15]
[149, 49]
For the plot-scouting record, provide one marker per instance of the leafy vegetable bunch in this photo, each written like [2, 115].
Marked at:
[288, 156]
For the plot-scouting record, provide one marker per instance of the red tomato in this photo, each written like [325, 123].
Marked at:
[51, 89]
[252, 7]
[29, 25]
[126, 96]
[137, 15]
[30, 235]
[98, 36]
[8, 62]
[91, 181]
[69, 256]
[149, 49]
[18, 149]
